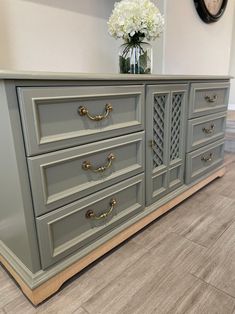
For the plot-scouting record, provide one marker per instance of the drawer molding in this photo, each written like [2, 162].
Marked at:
[55, 244]
[52, 185]
[51, 118]
[200, 105]
[196, 138]
[204, 160]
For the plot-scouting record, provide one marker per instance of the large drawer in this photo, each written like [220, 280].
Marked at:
[85, 224]
[61, 177]
[60, 117]
[205, 130]
[203, 160]
[208, 98]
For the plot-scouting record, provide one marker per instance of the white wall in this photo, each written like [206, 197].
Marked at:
[158, 45]
[57, 35]
[232, 69]
[193, 47]
[71, 35]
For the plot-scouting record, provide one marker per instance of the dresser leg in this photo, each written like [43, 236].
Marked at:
[222, 172]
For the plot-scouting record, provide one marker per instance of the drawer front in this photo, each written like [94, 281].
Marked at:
[84, 224]
[60, 117]
[205, 130]
[208, 98]
[62, 177]
[203, 160]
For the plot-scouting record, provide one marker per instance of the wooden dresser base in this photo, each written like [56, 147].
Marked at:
[49, 287]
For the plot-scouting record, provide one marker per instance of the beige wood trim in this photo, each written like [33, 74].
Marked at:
[49, 287]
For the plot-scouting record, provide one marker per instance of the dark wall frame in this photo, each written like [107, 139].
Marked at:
[205, 15]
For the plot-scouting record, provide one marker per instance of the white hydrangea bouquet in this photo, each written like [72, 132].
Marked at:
[135, 21]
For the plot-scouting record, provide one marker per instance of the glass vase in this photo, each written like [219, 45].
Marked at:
[135, 58]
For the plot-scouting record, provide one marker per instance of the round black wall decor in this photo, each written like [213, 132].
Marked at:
[210, 10]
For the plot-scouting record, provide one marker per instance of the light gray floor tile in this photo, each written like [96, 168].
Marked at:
[217, 266]
[201, 298]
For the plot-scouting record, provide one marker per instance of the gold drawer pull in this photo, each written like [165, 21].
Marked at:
[211, 99]
[91, 214]
[86, 165]
[207, 158]
[209, 130]
[83, 111]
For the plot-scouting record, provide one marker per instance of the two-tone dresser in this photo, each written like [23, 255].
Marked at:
[88, 160]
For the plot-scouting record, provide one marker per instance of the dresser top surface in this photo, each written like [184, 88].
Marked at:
[41, 75]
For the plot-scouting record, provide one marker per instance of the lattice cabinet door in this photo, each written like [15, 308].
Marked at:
[165, 139]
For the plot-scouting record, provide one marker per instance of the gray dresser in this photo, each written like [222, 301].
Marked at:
[88, 160]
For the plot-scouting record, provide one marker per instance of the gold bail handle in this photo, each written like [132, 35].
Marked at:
[86, 165]
[91, 215]
[83, 111]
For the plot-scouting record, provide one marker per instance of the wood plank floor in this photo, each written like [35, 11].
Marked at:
[182, 263]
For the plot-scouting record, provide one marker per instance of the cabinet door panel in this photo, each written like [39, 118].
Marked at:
[159, 184]
[176, 176]
[156, 143]
[165, 139]
[159, 143]
[176, 126]
[176, 139]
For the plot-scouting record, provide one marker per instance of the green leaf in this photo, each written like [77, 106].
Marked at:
[144, 60]
[124, 64]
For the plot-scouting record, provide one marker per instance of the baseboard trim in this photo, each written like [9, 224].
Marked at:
[26, 275]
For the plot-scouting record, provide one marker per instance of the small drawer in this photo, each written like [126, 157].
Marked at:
[85, 224]
[203, 160]
[205, 130]
[208, 98]
[62, 177]
[60, 117]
